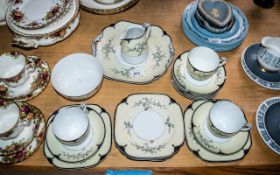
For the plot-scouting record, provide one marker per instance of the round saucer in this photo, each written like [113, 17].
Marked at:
[27, 151]
[106, 9]
[179, 71]
[94, 159]
[160, 55]
[268, 122]
[36, 84]
[79, 152]
[200, 151]
[208, 140]
[250, 65]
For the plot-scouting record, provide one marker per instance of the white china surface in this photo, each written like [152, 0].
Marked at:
[162, 145]
[215, 144]
[79, 153]
[180, 73]
[9, 116]
[106, 48]
[203, 153]
[94, 159]
[36, 83]
[11, 65]
[102, 8]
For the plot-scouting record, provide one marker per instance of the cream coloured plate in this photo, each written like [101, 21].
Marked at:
[105, 48]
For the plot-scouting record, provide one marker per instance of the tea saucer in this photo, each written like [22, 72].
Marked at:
[27, 151]
[250, 65]
[94, 159]
[79, 152]
[267, 120]
[179, 72]
[211, 142]
[148, 127]
[106, 9]
[200, 151]
[32, 15]
[36, 84]
[160, 55]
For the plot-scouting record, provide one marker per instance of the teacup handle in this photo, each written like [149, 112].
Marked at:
[83, 107]
[246, 127]
[223, 61]
[147, 27]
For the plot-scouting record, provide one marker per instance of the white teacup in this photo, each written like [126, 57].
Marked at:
[11, 125]
[71, 125]
[134, 43]
[227, 119]
[203, 62]
[14, 70]
[107, 1]
[268, 55]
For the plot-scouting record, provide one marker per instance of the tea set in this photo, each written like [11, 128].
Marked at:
[150, 127]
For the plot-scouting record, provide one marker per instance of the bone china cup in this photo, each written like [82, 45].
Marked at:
[71, 125]
[10, 123]
[107, 1]
[77, 76]
[14, 70]
[226, 119]
[203, 62]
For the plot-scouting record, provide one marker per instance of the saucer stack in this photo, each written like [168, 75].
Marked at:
[63, 150]
[191, 88]
[204, 143]
[25, 144]
[149, 127]
[42, 22]
[215, 24]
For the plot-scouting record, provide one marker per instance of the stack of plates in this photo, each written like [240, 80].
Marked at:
[225, 41]
[207, 146]
[149, 127]
[28, 141]
[42, 22]
[191, 88]
[80, 156]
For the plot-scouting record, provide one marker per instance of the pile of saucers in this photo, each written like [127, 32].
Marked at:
[78, 136]
[217, 131]
[42, 22]
[22, 129]
[215, 24]
[202, 78]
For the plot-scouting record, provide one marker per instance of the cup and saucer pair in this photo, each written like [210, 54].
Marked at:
[22, 77]
[199, 73]
[78, 136]
[261, 62]
[215, 134]
[106, 7]
[149, 127]
[133, 53]
[22, 129]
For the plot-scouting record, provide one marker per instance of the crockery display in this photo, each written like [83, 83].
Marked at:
[250, 65]
[267, 121]
[106, 48]
[191, 88]
[77, 76]
[98, 152]
[25, 145]
[148, 127]
[34, 85]
[224, 41]
[203, 151]
[106, 7]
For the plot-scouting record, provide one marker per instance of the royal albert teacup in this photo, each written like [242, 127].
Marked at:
[134, 43]
[203, 62]
[11, 124]
[71, 125]
[14, 69]
[226, 119]
[268, 55]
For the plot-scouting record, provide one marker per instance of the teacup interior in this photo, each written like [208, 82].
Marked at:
[9, 115]
[10, 65]
[134, 32]
[227, 116]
